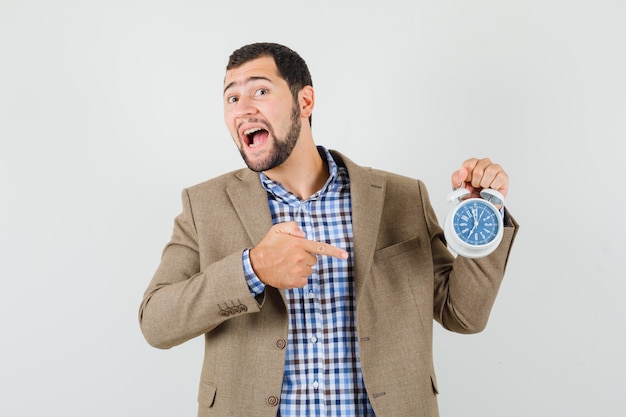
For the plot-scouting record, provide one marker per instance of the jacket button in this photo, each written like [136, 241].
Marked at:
[272, 401]
[281, 343]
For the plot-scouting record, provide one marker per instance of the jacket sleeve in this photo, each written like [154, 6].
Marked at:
[466, 289]
[182, 301]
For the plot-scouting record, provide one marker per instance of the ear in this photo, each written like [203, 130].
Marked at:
[306, 101]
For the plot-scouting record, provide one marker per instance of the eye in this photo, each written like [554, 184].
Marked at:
[231, 99]
[261, 92]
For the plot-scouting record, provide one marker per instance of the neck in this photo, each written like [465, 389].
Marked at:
[304, 172]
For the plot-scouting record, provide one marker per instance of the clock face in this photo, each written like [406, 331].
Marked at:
[476, 222]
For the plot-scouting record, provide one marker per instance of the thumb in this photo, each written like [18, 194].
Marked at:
[458, 177]
[291, 228]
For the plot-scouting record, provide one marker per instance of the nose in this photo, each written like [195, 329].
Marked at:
[245, 107]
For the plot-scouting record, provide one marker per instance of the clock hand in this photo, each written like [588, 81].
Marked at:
[480, 217]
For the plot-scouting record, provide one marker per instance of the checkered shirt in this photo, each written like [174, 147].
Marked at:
[322, 368]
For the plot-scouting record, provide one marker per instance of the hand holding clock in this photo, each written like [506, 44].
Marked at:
[476, 174]
[474, 228]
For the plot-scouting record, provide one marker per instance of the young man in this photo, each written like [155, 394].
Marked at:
[314, 281]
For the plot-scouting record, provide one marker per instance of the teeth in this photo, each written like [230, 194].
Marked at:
[252, 130]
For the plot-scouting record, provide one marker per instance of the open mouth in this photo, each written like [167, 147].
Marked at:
[255, 137]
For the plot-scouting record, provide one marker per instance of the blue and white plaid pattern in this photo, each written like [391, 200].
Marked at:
[322, 368]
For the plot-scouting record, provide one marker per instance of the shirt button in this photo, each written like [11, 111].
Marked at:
[311, 294]
[314, 339]
[316, 384]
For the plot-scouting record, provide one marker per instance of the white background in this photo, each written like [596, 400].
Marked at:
[109, 108]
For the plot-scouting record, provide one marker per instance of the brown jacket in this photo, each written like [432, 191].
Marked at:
[404, 278]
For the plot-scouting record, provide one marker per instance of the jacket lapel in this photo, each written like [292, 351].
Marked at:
[368, 195]
[249, 199]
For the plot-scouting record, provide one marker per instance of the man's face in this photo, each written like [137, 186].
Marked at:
[260, 114]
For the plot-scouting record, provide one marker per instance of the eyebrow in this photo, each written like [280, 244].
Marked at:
[246, 81]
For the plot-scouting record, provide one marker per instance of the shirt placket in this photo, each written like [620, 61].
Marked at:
[313, 343]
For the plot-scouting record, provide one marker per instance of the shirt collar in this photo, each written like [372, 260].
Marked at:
[277, 190]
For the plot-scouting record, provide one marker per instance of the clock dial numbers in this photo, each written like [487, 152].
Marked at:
[474, 228]
[476, 223]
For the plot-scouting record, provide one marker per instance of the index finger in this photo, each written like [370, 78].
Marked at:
[321, 248]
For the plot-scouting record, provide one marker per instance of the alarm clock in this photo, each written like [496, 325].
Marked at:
[474, 227]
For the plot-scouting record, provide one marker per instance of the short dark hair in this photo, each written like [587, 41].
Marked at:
[291, 67]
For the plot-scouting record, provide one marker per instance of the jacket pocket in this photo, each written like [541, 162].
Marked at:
[206, 394]
[397, 249]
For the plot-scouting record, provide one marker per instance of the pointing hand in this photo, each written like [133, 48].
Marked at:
[285, 258]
